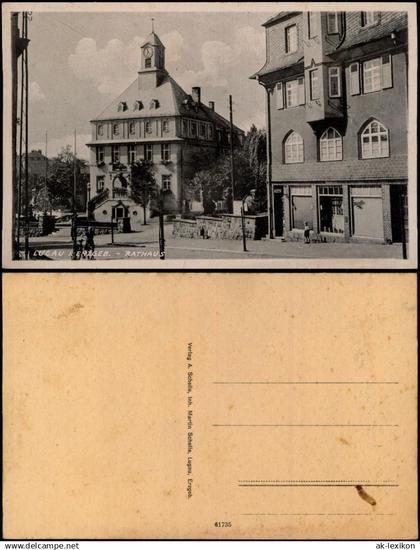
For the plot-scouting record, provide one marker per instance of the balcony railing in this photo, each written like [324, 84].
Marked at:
[119, 193]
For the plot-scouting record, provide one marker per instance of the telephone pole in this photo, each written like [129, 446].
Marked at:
[74, 221]
[25, 35]
[46, 174]
[232, 164]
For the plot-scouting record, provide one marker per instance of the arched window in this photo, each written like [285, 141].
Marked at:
[122, 106]
[331, 145]
[138, 105]
[116, 129]
[374, 141]
[293, 148]
[154, 104]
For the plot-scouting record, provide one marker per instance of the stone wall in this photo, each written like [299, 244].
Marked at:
[227, 226]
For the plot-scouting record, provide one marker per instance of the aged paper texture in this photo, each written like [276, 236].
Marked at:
[210, 406]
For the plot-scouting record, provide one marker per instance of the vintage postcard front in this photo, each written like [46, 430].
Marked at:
[212, 406]
[219, 135]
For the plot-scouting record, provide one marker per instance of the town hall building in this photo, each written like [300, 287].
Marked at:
[155, 120]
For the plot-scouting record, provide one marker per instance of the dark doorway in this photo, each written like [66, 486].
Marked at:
[278, 212]
[399, 212]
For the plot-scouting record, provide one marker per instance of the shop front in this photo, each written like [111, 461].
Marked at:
[339, 211]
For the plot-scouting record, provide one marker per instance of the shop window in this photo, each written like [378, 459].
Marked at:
[374, 141]
[331, 145]
[330, 203]
[301, 206]
[293, 148]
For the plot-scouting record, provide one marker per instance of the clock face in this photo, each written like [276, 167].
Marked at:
[147, 53]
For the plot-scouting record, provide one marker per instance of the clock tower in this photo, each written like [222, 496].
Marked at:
[152, 62]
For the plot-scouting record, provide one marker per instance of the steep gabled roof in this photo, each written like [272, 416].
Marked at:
[173, 101]
[168, 94]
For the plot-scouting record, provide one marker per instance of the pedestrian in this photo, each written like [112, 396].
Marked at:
[90, 242]
[307, 233]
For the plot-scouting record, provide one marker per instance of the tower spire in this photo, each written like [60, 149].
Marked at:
[153, 24]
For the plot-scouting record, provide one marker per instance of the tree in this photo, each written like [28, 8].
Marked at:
[61, 180]
[214, 181]
[143, 184]
[255, 150]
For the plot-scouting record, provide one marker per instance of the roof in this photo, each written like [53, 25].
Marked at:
[173, 101]
[154, 40]
[356, 35]
[392, 168]
[281, 15]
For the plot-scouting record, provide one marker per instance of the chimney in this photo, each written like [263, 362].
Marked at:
[196, 94]
[211, 105]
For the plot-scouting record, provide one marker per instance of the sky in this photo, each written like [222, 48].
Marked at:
[79, 62]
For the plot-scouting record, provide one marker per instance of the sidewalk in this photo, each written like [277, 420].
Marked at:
[144, 244]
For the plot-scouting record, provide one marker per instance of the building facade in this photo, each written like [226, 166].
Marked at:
[152, 120]
[337, 98]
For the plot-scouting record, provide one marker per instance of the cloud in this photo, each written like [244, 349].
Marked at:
[113, 67]
[35, 92]
[219, 59]
[56, 144]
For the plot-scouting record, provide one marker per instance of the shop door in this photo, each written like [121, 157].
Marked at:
[278, 213]
[368, 217]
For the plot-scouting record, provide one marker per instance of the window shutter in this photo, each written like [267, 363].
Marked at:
[301, 91]
[386, 71]
[354, 79]
[279, 95]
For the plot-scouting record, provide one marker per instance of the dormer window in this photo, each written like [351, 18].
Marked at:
[333, 22]
[122, 106]
[138, 105]
[154, 104]
[291, 39]
[369, 18]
